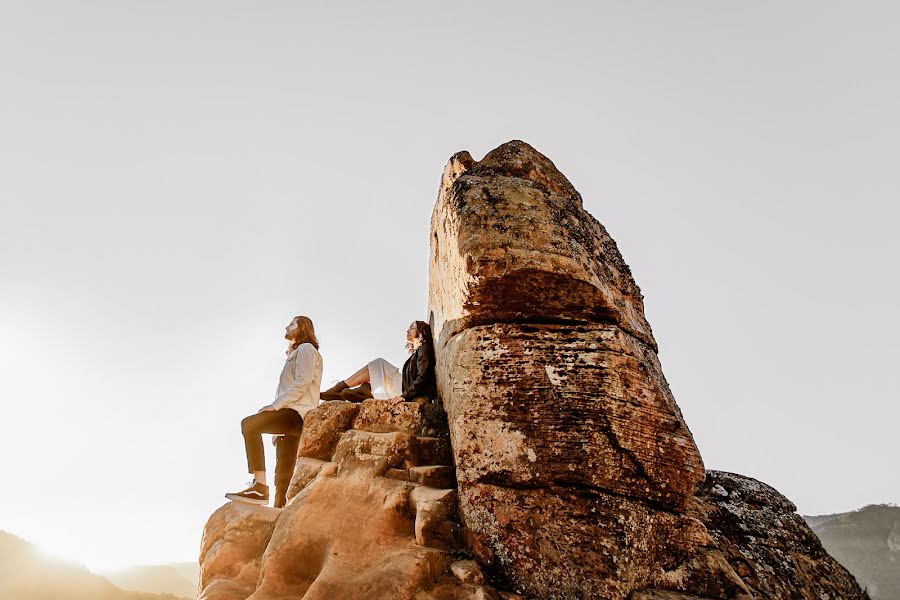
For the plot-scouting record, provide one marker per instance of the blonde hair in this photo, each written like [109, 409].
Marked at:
[305, 333]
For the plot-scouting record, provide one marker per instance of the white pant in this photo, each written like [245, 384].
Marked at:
[385, 379]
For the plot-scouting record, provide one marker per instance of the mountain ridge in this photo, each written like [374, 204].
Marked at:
[867, 542]
[26, 574]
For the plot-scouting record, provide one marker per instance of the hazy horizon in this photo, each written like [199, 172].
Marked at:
[180, 179]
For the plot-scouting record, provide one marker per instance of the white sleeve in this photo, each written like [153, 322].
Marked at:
[304, 369]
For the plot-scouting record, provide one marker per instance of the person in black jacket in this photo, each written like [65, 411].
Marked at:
[382, 380]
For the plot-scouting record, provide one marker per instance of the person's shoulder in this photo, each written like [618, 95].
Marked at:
[307, 347]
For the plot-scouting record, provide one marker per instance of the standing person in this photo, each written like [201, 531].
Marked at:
[382, 380]
[297, 394]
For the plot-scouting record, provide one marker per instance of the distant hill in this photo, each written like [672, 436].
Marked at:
[867, 542]
[25, 574]
[181, 579]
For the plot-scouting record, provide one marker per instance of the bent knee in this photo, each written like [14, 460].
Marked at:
[247, 424]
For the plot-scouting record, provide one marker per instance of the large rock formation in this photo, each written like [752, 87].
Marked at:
[562, 467]
[577, 473]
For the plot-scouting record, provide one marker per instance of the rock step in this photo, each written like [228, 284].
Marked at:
[305, 471]
[436, 476]
[383, 451]
[381, 416]
[429, 451]
[434, 509]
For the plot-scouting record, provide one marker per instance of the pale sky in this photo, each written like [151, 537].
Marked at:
[179, 179]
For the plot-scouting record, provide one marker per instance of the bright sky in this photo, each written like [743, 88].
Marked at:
[179, 179]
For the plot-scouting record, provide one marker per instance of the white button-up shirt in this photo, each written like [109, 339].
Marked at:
[301, 377]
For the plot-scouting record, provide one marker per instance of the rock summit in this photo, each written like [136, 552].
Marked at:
[554, 462]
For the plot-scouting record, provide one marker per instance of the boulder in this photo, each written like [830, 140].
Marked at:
[767, 543]
[323, 427]
[305, 471]
[349, 536]
[231, 550]
[382, 416]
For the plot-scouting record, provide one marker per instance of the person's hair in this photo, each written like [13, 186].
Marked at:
[423, 336]
[305, 333]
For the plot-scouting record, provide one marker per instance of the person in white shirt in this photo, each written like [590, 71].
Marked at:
[297, 394]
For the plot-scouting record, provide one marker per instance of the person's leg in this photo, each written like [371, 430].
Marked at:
[252, 428]
[358, 378]
[336, 392]
[285, 461]
[381, 373]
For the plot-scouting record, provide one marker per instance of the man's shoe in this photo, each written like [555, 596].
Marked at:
[357, 394]
[256, 493]
[334, 392]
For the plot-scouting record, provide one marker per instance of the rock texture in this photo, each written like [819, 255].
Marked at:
[767, 543]
[577, 473]
[362, 521]
[556, 463]
[234, 539]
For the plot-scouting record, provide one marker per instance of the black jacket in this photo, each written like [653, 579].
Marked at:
[418, 373]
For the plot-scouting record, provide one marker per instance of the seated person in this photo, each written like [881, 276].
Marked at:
[381, 380]
[297, 394]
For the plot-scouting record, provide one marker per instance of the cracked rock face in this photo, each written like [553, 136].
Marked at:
[542, 339]
[564, 429]
[576, 471]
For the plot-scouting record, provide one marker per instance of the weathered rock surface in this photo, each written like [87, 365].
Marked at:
[234, 539]
[352, 528]
[323, 427]
[570, 450]
[576, 469]
[767, 543]
[381, 416]
[562, 467]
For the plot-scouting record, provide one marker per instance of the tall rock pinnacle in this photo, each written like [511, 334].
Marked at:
[577, 473]
[564, 373]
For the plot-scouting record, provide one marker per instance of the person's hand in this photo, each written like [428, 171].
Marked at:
[266, 408]
[397, 400]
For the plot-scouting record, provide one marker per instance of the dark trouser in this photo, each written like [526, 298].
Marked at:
[285, 461]
[285, 421]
